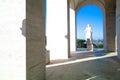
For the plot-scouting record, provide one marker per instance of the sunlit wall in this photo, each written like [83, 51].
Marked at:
[72, 31]
[56, 28]
[12, 41]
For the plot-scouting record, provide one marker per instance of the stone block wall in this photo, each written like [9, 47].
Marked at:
[110, 30]
[35, 39]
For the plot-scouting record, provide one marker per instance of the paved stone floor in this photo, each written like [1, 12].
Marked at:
[85, 66]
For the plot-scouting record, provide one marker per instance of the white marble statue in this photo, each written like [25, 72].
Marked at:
[88, 32]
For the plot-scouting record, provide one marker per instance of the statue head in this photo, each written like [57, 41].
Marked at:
[88, 25]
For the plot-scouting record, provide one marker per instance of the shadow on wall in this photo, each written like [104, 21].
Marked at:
[23, 28]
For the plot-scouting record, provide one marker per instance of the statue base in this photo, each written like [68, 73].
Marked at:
[89, 45]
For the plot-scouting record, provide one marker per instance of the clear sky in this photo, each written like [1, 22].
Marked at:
[90, 15]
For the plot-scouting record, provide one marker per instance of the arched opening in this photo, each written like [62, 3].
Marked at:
[70, 65]
[89, 14]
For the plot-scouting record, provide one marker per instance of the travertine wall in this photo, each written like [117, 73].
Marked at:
[12, 42]
[110, 29]
[57, 29]
[110, 13]
[118, 27]
[35, 40]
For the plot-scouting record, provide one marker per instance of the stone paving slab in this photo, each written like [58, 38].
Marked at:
[105, 67]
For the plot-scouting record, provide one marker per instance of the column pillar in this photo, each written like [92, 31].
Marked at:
[110, 30]
[35, 40]
[118, 27]
[72, 30]
[57, 29]
[72, 26]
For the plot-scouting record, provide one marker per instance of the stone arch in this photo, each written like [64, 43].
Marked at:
[101, 6]
[98, 3]
[35, 52]
[108, 20]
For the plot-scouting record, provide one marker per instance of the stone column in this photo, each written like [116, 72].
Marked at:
[35, 40]
[72, 27]
[118, 27]
[110, 29]
[57, 29]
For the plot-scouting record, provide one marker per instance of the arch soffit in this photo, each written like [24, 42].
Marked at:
[97, 3]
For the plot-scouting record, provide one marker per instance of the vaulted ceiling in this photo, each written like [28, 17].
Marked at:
[106, 3]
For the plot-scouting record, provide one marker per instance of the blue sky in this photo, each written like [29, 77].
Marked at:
[90, 15]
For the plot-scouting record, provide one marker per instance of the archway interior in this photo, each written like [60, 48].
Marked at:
[89, 14]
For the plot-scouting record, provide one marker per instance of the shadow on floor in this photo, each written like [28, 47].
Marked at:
[106, 68]
[81, 55]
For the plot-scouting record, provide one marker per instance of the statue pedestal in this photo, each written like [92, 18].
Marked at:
[89, 45]
[47, 56]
